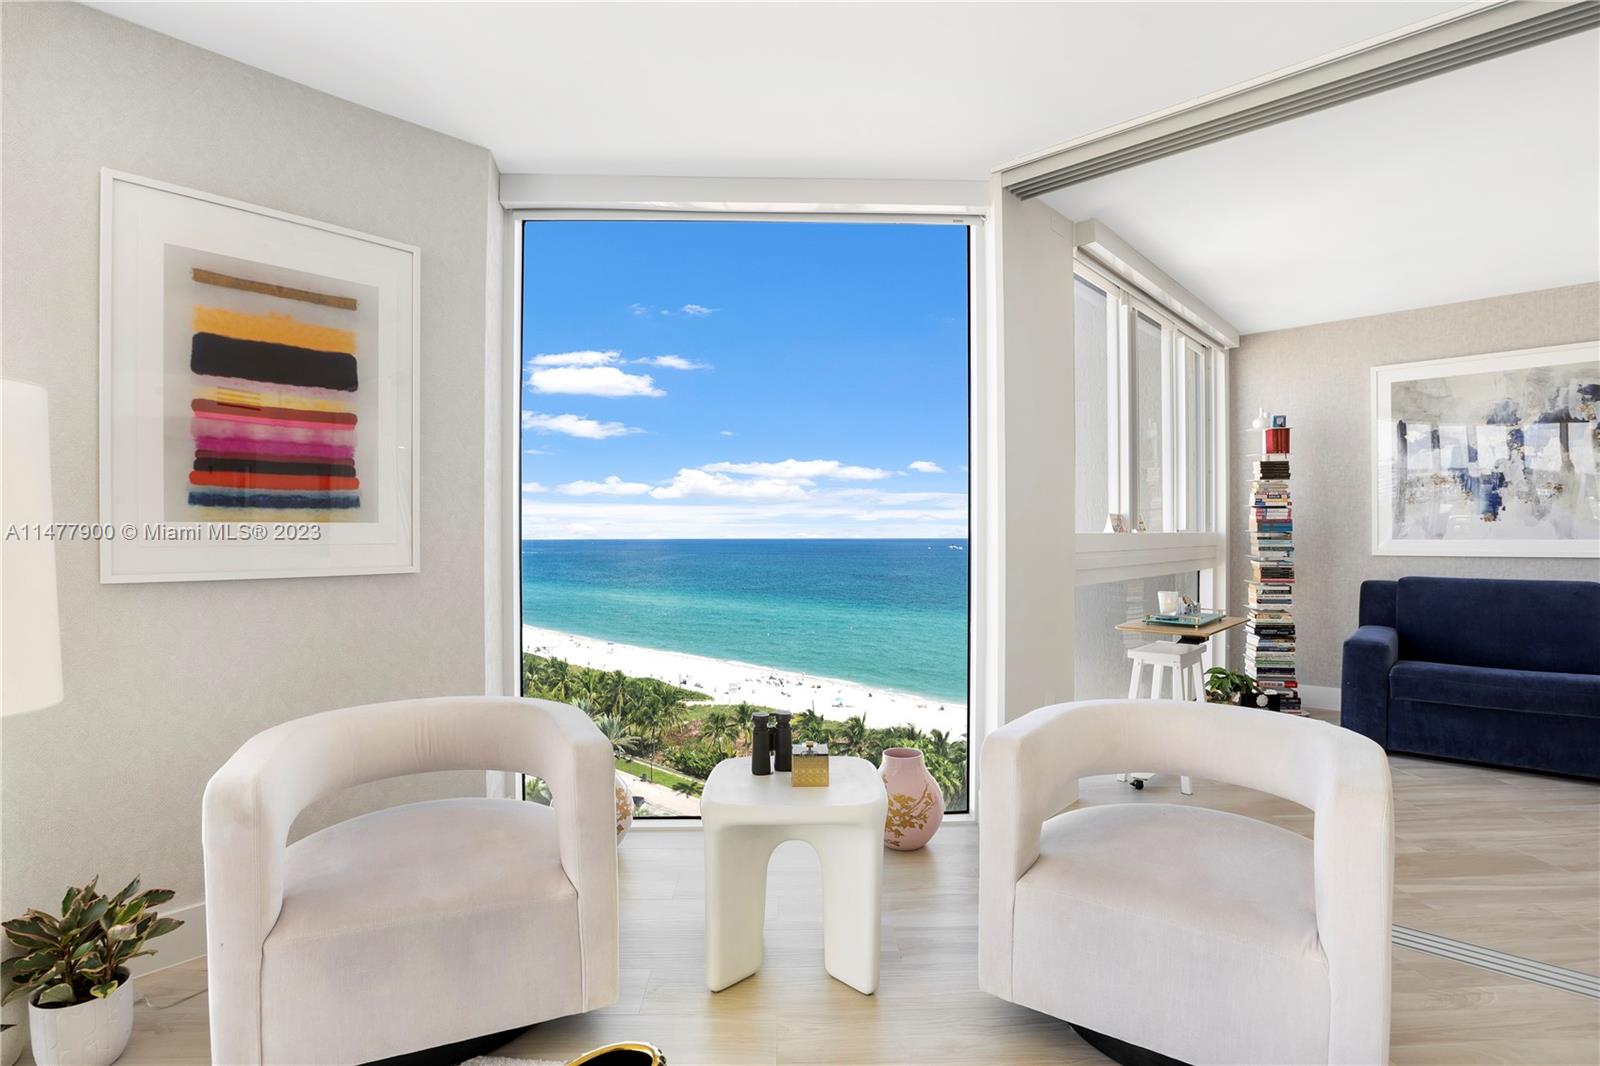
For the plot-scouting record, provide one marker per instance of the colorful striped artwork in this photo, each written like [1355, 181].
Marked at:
[272, 414]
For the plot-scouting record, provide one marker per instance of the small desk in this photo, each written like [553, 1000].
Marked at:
[744, 817]
[1185, 634]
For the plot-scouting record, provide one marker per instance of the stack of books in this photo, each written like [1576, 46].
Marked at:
[1269, 653]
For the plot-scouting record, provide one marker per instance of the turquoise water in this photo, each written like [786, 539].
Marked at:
[879, 612]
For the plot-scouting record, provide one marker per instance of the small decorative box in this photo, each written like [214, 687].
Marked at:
[810, 765]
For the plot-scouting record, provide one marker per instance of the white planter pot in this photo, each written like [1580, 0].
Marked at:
[84, 1034]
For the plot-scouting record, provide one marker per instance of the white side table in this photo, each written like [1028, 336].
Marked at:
[745, 817]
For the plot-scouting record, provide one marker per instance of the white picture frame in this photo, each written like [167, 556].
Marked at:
[166, 254]
[1502, 370]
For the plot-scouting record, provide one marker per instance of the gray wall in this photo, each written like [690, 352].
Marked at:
[164, 681]
[1320, 377]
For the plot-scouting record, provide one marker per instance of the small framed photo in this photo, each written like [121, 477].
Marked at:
[1280, 421]
[1116, 523]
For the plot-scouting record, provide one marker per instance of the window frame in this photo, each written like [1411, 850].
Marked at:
[983, 699]
[1201, 457]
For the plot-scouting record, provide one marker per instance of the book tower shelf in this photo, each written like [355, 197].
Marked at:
[1269, 651]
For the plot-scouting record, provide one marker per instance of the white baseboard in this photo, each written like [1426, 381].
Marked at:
[1319, 697]
[184, 944]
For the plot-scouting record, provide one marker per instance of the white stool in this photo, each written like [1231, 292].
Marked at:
[1182, 664]
[743, 817]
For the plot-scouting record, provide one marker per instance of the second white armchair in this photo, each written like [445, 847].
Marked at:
[1200, 935]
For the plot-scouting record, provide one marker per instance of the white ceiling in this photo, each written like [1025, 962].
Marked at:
[1477, 183]
[922, 90]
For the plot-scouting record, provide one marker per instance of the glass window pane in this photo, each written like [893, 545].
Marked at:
[1197, 437]
[1094, 356]
[1149, 421]
[773, 474]
[1102, 652]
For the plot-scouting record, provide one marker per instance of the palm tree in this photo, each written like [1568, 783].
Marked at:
[653, 716]
[939, 743]
[623, 741]
[853, 733]
[613, 693]
[719, 727]
[556, 680]
[688, 787]
[809, 725]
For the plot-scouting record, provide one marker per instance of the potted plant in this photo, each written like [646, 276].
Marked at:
[74, 971]
[1228, 686]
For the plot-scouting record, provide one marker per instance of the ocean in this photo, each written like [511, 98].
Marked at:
[878, 612]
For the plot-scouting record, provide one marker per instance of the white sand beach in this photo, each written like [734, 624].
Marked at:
[727, 681]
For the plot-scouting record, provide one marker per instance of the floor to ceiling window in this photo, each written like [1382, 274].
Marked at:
[744, 486]
[1149, 513]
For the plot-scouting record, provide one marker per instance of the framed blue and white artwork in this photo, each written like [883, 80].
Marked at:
[1488, 455]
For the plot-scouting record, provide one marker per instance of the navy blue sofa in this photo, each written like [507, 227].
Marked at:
[1498, 672]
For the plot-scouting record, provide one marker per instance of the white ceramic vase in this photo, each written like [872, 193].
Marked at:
[84, 1034]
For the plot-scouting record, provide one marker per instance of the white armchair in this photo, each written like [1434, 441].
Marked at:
[1198, 934]
[416, 926]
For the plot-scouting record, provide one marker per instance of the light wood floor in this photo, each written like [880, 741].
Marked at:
[1506, 860]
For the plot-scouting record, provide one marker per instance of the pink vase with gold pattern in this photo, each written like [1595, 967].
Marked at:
[916, 806]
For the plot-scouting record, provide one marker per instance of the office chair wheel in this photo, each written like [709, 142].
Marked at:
[1136, 782]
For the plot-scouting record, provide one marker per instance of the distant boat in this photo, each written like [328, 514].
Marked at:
[955, 547]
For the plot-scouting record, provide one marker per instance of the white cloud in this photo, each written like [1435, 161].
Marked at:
[575, 426]
[801, 470]
[586, 358]
[611, 486]
[674, 362]
[638, 309]
[533, 486]
[555, 517]
[925, 466]
[698, 310]
[720, 486]
[533, 451]
[592, 381]
[727, 433]
[898, 499]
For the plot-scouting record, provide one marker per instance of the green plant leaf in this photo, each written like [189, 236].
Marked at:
[101, 991]
[17, 990]
[126, 913]
[126, 894]
[61, 993]
[39, 960]
[157, 896]
[163, 926]
[27, 932]
[121, 932]
[95, 911]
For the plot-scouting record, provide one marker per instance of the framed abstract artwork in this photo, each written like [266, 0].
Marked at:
[258, 392]
[1488, 455]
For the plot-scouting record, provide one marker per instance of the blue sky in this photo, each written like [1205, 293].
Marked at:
[744, 379]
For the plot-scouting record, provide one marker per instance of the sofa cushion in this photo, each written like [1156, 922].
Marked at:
[382, 912]
[1190, 925]
[1551, 743]
[1506, 690]
[1508, 625]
